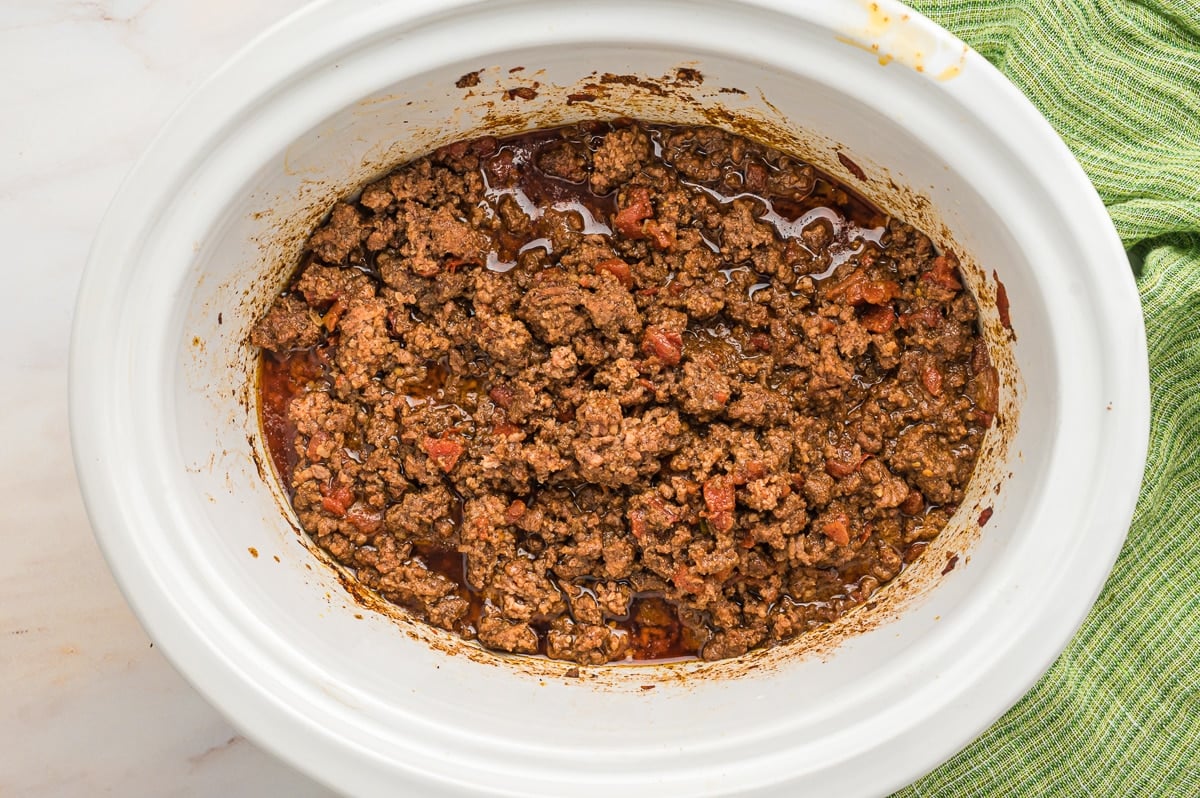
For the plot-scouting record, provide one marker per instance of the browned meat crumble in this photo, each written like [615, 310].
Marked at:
[622, 391]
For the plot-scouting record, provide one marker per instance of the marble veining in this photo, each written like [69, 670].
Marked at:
[88, 706]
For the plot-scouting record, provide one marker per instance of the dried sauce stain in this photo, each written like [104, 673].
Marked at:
[253, 552]
[521, 92]
[468, 80]
[1002, 307]
[985, 516]
[851, 166]
[950, 563]
[651, 86]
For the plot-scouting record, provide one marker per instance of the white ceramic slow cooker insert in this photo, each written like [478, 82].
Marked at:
[209, 222]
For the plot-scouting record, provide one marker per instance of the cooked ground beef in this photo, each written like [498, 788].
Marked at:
[622, 391]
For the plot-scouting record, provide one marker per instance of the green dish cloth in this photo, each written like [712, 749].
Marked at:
[1119, 713]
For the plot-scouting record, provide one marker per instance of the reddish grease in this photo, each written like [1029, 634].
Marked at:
[452, 564]
[655, 631]
[280, 379]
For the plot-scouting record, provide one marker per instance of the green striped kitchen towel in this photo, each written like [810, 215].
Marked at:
[1119, 713]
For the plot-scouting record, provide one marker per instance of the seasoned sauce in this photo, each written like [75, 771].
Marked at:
[622, 391]
[281, 378]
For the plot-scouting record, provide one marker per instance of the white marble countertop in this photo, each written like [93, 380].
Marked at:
[88, 707]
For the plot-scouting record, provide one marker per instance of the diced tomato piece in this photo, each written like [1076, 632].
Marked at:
[928, 316]
[628, 220]
[931, 378]
[944, 272]
[913, 503]
[502, 395]
[336, 500]
[843, 468]
[837, 529]
[617, 268]
[720, 500]
[637, 523]
[847, 285]
[515, 511]
[857, 288]
[760, 342]
[315, 443]
[367, 522]
[330, 319]
[748, 472]
[666, 345]
[443, 451]
[878, 318]
[687, 581]
[879, 292]
[504, 429]
[479, 529]
[718, 493]
[721, 522]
